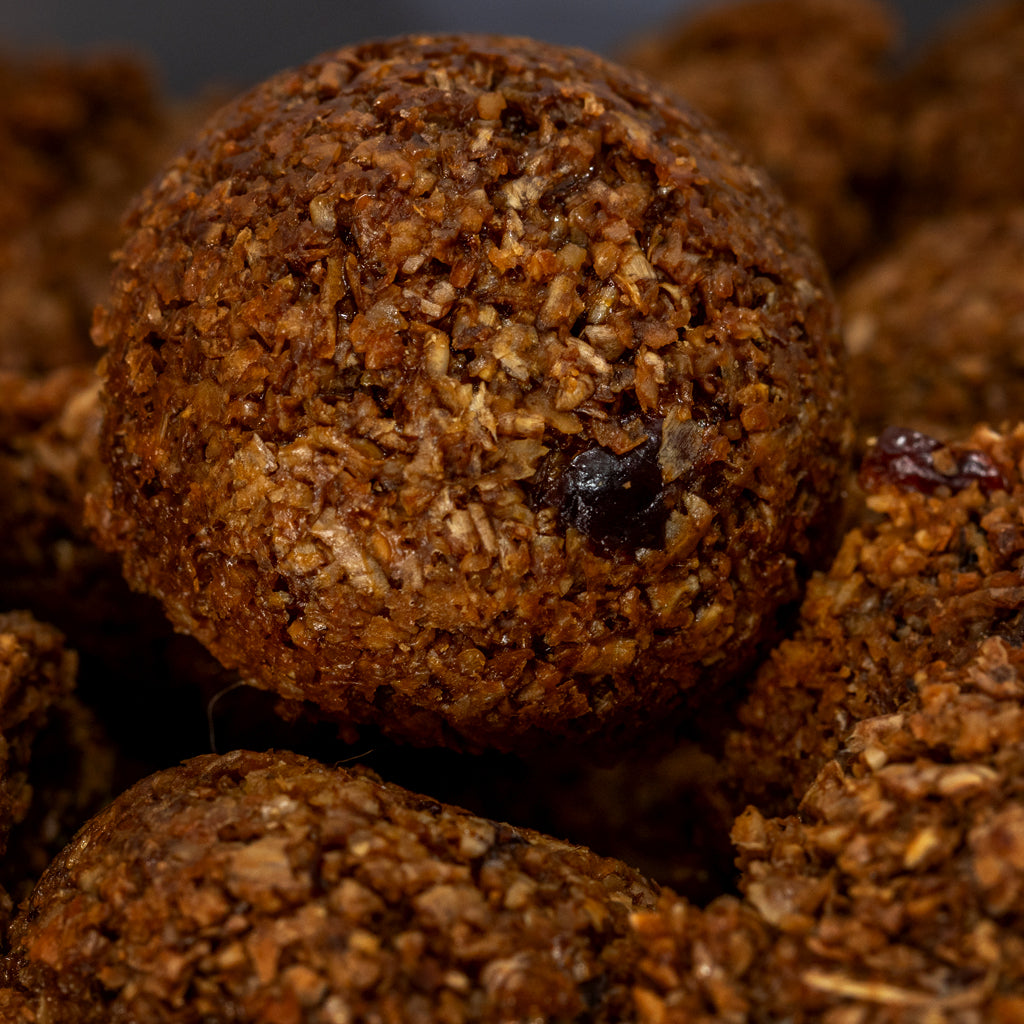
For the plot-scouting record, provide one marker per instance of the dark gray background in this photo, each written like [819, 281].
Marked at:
[194, 43]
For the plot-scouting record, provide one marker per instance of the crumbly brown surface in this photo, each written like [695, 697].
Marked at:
[15, 1008]
[78, 136]
[55, 768]
[267, 887]
[962, 123]
[805, 86]
[129, 658]
[895, 897]
[468, 387]
[935, 326]
[35, 673]
[909, 859]
[933, 570]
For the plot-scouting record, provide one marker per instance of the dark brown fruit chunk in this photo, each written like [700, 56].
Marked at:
[617, 501]
[906, 459]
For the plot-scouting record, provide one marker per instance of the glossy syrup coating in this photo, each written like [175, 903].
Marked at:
[467, 387]
[269, 887]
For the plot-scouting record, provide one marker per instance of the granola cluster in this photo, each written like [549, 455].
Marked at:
[268, 887]
[467, 387]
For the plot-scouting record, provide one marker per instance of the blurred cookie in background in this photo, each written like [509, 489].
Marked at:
[803, 86]
[78, 135]
[935, 326]
[961, 140]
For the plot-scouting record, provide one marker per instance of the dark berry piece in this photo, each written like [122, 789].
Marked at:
[977, 467]
[617, 501]
[905, 459]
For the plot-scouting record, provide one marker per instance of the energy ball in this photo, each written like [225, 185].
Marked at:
[961, 140]
[898, 888]
[268, 887]
[468, 387]
[36, 675]
[894, 897]
[56, 767]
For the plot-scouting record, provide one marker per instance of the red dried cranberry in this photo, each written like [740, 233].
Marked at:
[905, 459]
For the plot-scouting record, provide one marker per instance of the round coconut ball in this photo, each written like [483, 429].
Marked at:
[469, 387]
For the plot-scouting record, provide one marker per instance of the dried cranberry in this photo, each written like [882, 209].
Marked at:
[906, 459]
[977, 467]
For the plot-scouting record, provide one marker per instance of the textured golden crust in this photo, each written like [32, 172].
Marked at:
[267, 887]
[931, 571]
[468, 387]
